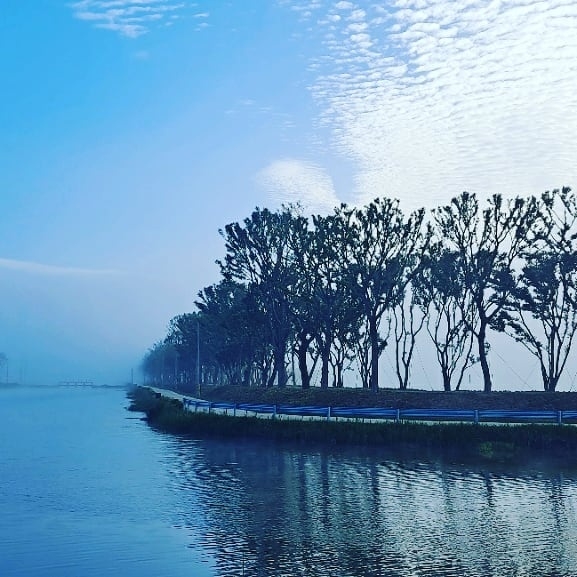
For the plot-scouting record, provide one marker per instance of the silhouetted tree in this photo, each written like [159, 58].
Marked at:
[303, 296]
[234, 332]
[439, 291]
[182, 335]
[259, 253]
[544, 304]
[159, 364]
[336, 310]
[488, 243]
[381, 264]
[407, 321]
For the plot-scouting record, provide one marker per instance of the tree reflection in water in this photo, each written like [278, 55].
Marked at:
[263, 510]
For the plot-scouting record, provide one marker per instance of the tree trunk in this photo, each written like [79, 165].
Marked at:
[446, 380]
[272, 376]
[246, 376]
[481, 338]
[302, 358]
[325, 359]
[553, 384]
[550, 381]
[374, 340]
[340, 380]
[280, 367]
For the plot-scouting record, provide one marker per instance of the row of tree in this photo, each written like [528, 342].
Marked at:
[335, 291]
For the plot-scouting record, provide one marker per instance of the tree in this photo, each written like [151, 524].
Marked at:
[408, 321]
[381, 264]
[259, 253]
[183, 336]
[303, 296]
[159, 365]
[544, 304]
[439, 292]
[234, 333]
[335, 309]
[488, 243]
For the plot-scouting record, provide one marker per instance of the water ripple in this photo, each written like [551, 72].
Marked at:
[271, 512]
[109, 496]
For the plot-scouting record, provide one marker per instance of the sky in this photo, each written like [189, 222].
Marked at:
[131, 131]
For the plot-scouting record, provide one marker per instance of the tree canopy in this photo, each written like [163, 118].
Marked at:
[304, 300]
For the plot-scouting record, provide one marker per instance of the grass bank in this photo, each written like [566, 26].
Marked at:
[501, 442]
[395, 398]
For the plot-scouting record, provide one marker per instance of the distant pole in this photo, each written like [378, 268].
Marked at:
[162, 371]
[198, 355]
[176, 383]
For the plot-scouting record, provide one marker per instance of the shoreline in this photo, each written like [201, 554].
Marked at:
[500, 442]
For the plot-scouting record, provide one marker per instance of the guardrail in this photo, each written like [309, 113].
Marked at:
[384, 414]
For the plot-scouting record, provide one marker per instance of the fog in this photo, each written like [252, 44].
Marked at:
[82, 326]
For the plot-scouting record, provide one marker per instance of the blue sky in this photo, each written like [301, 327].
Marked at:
[132, 130]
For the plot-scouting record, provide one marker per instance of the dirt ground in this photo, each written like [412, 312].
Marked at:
[394, 398]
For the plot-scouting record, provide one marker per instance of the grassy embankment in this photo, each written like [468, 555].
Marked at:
[500, 442]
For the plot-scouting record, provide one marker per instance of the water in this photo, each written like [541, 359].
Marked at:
[88, 489]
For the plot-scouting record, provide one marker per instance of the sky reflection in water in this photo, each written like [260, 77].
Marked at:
[88, 489]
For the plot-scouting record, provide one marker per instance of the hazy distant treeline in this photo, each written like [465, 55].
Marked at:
[330, 293]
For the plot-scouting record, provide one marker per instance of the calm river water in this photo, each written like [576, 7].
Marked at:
[89, 490]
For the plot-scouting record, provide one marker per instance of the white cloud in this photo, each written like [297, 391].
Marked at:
[45, 269]
[432, 97]
[130, 18]
[291, 180]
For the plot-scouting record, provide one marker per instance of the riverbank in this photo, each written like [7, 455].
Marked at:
[502, 442]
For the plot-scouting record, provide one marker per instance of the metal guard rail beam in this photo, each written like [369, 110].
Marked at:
[379, 413]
